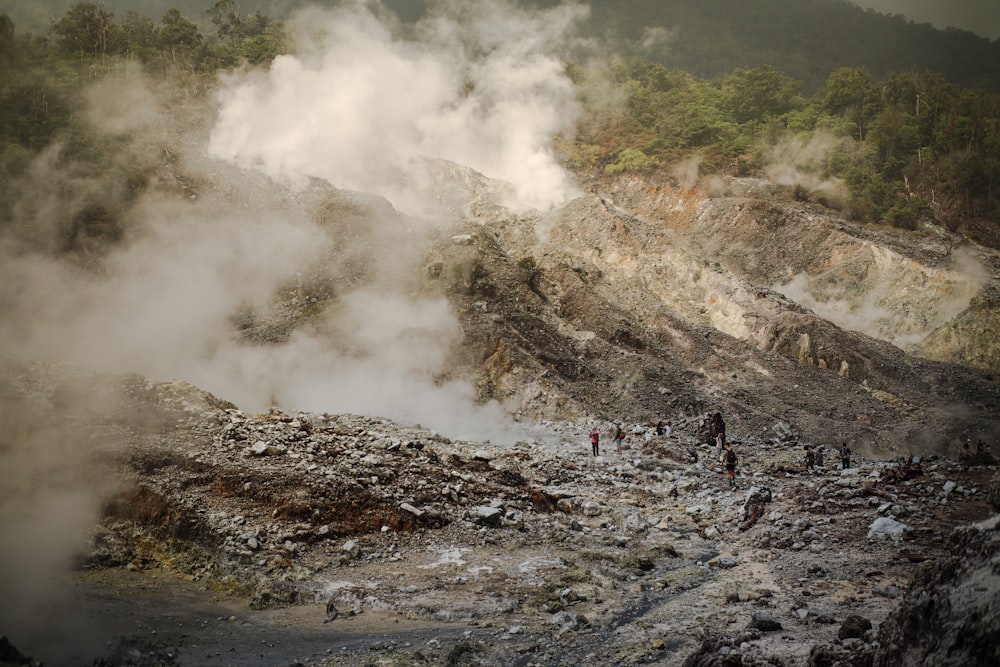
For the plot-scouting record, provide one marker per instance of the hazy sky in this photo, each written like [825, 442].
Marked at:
[979, 16]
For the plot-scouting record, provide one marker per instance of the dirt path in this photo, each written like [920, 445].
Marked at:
[153, 617]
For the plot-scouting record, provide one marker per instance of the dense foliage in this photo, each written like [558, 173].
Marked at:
[804, 39]
[909, 146]
[42, 102]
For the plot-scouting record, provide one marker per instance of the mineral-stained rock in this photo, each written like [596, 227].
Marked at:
[753, 506]
[951, 612]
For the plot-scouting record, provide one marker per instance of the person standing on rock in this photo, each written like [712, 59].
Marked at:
[730, 460]
[619, 437]
[810, 458]
[595, 438]
[819, 458]
[845, 457]
[716, 427]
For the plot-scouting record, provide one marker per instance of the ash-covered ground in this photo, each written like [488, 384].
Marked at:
[228, 538]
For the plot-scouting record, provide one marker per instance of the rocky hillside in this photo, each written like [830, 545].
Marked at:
[641, 300]
[637, 301]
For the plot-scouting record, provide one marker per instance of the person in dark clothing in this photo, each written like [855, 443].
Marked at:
[730, 460]
[595, 438]
[845, 457]
[716, 427]
[619, 437]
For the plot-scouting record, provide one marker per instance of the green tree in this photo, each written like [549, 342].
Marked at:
[177, 36]
[178, 32]
[262, 39]
[256, 37]
[7, 41]
[752, 94]
[896, 137]
[85, 30]
[139, 35]
[225, 16]
[851, 91]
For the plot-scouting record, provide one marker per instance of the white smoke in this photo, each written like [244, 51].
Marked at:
[801, 161]
[891, 298]
[362, 106]
[687, 172]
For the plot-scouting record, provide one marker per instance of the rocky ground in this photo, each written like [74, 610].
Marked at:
[345, 540]
[203, 534]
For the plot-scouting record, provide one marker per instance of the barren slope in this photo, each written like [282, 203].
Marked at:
[641, 301]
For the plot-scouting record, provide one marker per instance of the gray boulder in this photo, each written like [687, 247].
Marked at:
[951, 612]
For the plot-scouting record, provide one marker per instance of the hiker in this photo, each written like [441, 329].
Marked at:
[730, 460]
[810, 459]
[845, 457]
[595, 437]
[716, 427]
[720, 445]
[619, 436]
[669, 430]
[661, 428]
[819, 458]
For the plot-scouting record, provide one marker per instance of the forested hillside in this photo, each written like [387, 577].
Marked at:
[803, 39]
[881, 139]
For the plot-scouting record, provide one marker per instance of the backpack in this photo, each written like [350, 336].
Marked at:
[730, 457]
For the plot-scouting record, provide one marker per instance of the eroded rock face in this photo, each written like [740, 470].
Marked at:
[673, 299]
[951, 613]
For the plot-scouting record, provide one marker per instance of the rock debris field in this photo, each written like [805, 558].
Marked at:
[376, 543]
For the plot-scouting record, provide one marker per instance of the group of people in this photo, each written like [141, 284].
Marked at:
[983, 449]
[663, 428]
[815, 457]
[715, 428]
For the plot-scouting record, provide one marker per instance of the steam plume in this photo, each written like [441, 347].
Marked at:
[361, 106]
